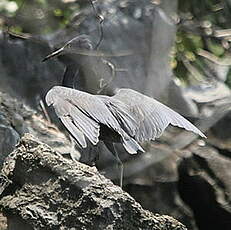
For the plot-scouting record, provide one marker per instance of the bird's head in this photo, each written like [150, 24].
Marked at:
[73, 46]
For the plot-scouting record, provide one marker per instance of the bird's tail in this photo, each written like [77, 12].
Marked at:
[131, 145]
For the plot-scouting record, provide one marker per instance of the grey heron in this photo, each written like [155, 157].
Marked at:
[127, 117]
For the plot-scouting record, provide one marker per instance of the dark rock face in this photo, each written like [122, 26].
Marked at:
[205, 186]
[9, 137]
[220, 126]
[162, 197]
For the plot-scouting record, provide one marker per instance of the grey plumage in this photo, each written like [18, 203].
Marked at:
[152, 116]
[83, 114]
[128, 117]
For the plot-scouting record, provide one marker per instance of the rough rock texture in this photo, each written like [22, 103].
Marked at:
[43, 190]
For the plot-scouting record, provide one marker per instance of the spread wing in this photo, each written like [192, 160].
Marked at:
[81, 113]
[151, 117]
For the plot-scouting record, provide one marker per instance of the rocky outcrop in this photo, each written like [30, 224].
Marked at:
[43, 190]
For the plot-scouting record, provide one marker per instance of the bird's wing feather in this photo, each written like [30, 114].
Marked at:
[152, 117]
[97, 108]
[93, 107]
[84, 111]
[122, 113]
[78, 123]
[74, 131]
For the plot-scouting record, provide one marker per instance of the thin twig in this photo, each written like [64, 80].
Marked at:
[100, 18]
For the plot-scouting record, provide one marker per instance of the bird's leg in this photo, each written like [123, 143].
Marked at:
[120, 164]
[75, 155]
[112, 149]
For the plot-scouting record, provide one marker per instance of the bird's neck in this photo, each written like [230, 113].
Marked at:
[70, 73]
[74, 75]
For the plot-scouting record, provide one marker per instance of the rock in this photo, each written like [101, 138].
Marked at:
[162, 197]
[205, 186]
[222, 128]
[8, 139]
[47, 191]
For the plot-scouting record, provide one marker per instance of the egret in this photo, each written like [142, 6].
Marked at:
[128, 117]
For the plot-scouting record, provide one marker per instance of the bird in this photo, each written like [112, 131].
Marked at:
[127, 117]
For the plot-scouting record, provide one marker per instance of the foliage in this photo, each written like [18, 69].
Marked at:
[203, 26]
[37, 16]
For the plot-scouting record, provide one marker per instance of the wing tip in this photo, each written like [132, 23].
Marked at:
[202, 135]
[196, 131]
